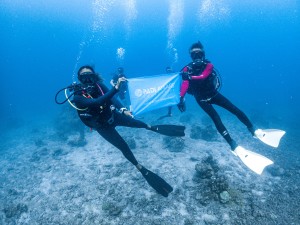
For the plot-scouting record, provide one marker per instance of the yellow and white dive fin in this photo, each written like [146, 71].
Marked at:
[252, 160]
[269, 136]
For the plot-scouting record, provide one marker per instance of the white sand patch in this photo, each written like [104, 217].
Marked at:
[182, 209]
[209, 218]
[45, 186]
[258, 193]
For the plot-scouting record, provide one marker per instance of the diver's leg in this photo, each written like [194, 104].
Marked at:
[155, 181]
[113, 137]
[127, 121]
[209, 109]
[169, 130]
[222, 101]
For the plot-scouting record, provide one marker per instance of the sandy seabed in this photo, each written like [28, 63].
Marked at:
[49, 178]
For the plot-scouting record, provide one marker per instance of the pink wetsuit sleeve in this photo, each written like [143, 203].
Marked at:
[184, 87]
[208, 69]
[185, 84]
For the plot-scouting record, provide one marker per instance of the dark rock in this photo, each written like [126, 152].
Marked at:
[218, 184]
[196, 132]
[39, 143]
[275, 170]
[12, 192]
[58, 153]
[207, 133]
[111, 208]
[77, 143]
[204, 198]
[208, 178]
[194, 159]
[15, 210]
[214, 165]
[224, 197]
[188, 221]
[36, 156]
[174, 144]
[204, 170]
[207, 168]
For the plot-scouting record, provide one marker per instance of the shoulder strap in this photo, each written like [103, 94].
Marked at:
[100, 88]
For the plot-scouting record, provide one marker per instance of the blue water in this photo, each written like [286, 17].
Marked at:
[253, 44]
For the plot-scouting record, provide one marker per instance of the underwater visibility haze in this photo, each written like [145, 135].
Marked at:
[49, 177]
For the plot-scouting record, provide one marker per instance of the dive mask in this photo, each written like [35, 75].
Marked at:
[197, 54]
[87, 78]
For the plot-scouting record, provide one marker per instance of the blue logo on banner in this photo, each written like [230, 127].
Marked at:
[150, 93]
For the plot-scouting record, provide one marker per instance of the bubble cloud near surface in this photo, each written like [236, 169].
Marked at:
[131, 15]
[100, 9]
[175, 20]
[212, 10]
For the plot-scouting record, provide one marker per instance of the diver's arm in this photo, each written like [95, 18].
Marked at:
[117, 103]
[83, 102]
[208, 69]
[112, 82]
[185, 83]
[184, 87]
[114, 99]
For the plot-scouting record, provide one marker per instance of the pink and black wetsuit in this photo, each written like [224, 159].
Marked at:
[198, 77]
[198, 80]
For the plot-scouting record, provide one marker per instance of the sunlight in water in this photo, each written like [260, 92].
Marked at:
[175, 20]
[100, 9]
[212, 10]
[131, 15]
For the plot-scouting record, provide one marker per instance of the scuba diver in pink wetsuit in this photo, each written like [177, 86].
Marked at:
[201, 80]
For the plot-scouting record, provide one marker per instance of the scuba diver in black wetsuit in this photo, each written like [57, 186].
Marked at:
[201, 80]
[123, 88]
[98, 109]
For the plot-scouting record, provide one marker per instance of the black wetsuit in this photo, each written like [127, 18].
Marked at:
[205, 91]
[123, 87]
[101, 113]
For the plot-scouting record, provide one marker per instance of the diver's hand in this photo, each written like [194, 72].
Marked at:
[185, 76]
[181, 105]
[119, 82]
[126, 112]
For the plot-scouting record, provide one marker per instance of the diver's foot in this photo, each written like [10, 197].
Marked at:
[252, 131]
[233, 145]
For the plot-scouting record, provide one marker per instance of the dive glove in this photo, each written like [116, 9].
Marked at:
[185, 76]
[181, 105]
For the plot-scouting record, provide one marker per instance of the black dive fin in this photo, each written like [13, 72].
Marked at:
[155, 181]
[169, 130]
